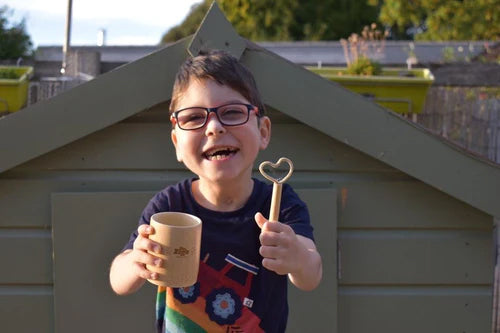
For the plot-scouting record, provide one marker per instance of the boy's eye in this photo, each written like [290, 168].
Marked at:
[232, 112]
[189, 116]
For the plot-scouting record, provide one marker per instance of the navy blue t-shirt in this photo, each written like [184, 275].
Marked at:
[234, 292]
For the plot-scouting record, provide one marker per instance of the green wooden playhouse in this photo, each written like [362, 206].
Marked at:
[403, 219]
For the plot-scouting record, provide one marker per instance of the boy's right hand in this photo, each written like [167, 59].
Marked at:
[140, 256]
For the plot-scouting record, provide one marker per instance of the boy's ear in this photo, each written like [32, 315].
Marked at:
[265, 132]
[173, 136]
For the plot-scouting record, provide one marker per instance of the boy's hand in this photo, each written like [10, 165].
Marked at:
[139, 255]
[281, 248]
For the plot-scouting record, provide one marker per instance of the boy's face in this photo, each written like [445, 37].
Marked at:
[218, 153]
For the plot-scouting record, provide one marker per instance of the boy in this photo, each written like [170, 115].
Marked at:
[218, 129]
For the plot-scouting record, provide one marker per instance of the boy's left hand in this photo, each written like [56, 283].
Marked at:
[281, 248]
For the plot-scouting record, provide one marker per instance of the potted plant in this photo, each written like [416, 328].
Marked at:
[14, 81]
[402, 90]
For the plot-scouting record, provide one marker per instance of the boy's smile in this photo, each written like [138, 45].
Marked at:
[218, 154]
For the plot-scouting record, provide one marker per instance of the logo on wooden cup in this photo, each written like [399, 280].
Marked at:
[181, 251]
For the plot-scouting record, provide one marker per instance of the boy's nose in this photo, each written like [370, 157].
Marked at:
[213, 125]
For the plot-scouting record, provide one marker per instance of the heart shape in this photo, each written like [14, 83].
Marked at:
[276, 166]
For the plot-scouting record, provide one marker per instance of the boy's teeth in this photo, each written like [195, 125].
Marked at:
[220, 154]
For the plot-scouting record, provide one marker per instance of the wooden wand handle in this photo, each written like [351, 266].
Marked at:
[275, 202]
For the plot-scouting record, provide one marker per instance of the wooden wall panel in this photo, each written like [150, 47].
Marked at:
[26, 309]
[118, 147]
[406, 205]
[388, 257]
[89, 230]
[147, 146]
[26, 256]
[313, 311]
[25, 203]
[415, 310]
[313, 151]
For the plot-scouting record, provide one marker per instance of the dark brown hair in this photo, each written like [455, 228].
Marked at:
[221, 67]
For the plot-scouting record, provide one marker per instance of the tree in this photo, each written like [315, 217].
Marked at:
[266, 20]
[298, 20]
[442, 19]
[190, 23]
[14, 41]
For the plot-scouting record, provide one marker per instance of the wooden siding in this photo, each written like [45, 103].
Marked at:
[430, 270]
[415, 310]
[322, 205]
[393, 264]
[26, 308]
[89, 230]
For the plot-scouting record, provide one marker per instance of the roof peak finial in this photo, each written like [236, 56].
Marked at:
[216, 32]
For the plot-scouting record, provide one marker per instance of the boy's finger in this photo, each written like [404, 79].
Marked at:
[145, 244]
[260, 219]
[270, 252]
[269, 238]
[144, 273]
[152, 246]
[145, 230]
[273, 265]
[144, 258]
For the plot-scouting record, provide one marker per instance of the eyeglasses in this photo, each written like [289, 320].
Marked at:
[233, 114]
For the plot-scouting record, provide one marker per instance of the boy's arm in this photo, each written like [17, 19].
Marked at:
[309, 277]
[122, 277]
[128, 271]
[285, 252]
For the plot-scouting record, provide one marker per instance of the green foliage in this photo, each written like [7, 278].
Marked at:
[9, 73]
[190, 23]
[297, 20]
[14, 41]
[364, 66]
[442, 19]
[358, 50]
[281, 20]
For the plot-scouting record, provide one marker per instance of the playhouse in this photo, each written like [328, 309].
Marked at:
[403, 219]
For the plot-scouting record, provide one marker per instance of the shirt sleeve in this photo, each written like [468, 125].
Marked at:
[294, 212]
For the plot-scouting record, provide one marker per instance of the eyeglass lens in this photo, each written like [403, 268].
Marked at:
[229, 115]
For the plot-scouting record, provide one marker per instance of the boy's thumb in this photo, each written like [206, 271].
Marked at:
[260, 219]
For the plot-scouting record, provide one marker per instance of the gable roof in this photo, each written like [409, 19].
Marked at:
[299, 93]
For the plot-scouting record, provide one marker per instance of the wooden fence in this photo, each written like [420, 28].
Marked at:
[468, 116]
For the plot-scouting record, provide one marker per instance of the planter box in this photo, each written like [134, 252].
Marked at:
[398, 89]
[14, 92]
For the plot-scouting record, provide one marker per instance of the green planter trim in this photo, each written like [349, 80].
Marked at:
[398, 89]
[14, 92]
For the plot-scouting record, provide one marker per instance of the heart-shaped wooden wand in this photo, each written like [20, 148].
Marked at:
[277, 185]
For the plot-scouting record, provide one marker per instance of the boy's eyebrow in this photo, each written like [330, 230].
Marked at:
[232, 101]
[237, 101]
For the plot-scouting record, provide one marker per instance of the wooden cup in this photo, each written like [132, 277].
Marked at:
[179, 234]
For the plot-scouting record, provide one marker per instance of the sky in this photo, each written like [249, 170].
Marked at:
[126, 22]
